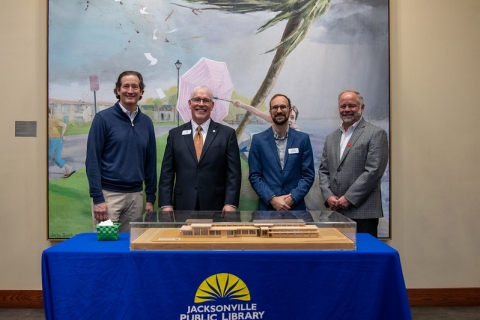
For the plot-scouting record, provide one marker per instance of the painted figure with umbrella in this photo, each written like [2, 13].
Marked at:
[213, 74]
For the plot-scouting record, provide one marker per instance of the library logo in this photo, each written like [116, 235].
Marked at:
[222, 296]
[222, 286]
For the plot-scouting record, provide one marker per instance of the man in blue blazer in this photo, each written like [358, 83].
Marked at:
[354, 159]
[281, 162]
[209, 180]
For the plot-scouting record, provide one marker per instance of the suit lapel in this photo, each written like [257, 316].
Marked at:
[211, 134]
[356, 134]
[336, 147]
[188, 138]
[291, 137]
[273, 145]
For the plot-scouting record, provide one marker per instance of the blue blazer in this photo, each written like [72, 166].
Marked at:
[267, 176]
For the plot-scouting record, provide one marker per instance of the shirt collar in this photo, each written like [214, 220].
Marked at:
[275, 135]
[128, 112]
[204, 125]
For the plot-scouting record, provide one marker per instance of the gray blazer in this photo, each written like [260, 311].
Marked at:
[357, 174]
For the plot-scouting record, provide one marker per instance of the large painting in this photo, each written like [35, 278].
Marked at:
[310, 50]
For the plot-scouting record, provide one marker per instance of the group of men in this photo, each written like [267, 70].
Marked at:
[201, 167]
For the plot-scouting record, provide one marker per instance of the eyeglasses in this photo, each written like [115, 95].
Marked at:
[281, 107]
[198, 100]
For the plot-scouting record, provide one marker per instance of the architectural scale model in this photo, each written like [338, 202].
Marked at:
[203, 234]
[288, 228]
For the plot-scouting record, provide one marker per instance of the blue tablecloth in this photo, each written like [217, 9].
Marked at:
[87, 279]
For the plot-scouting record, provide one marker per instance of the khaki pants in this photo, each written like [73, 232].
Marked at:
[122, 208]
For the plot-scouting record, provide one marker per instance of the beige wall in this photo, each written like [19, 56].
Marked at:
[435, 73]
[23, 84]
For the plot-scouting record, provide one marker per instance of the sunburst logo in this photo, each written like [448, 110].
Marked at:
[222, 286]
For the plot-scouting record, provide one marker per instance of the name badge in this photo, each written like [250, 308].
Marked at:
[292, 150]
[185, 132]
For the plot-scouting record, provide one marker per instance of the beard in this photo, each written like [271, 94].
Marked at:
[280, 122]
[351, 118]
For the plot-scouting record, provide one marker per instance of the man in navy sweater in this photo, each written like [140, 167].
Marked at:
[122, 156]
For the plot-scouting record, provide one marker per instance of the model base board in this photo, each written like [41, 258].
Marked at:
[172, 239]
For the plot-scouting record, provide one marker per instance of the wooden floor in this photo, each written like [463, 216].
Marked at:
[445, 313]
[418, 313]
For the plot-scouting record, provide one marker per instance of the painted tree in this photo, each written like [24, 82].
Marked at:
[300, 16]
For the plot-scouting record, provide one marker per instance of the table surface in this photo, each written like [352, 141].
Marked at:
[85, 278]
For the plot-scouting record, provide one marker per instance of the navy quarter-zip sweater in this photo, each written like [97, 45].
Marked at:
[121, 156]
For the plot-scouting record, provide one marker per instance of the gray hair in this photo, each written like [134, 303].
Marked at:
[359, 96]
[202, 88]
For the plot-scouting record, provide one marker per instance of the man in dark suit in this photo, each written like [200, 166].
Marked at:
[353, 161]
[201, 165]
[281, 161]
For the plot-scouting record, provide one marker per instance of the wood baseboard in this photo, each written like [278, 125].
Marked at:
[21, 299]
[453, 297]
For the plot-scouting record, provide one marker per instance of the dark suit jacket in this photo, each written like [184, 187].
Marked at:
[358, 173]
[266, 175]
[215, 179]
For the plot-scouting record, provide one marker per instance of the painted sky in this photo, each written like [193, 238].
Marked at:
[347, 47]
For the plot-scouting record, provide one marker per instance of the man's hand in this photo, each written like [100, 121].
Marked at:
[280, 203]
[333, 203]
[148, 207]
[100, 211]
[289, 200]
[228, 208]
[343, 203]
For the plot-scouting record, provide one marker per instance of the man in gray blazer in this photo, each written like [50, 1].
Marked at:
[354, 159]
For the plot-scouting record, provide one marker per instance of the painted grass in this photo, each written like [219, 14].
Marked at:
[69, 206]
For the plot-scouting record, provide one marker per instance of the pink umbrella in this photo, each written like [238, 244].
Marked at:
[210, 73]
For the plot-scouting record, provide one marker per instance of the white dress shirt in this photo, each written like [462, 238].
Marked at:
[346, 135]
